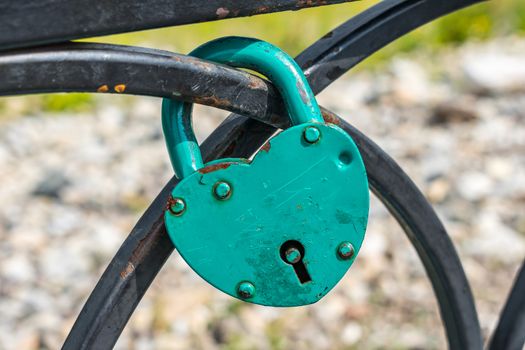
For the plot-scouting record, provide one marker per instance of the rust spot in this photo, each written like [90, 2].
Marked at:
[120, 88]
[127, 270]
[170, 202]
[266, 147]
[214, 167]
[222, 12]
[256, 83]
[147, 245]
[213, 101]
[310, 3]
[199, 63]
[302, 91]
[331, 118]
[103, 88]
[262, 9]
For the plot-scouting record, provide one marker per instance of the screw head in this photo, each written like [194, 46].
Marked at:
[222, 190]
[293, 255]
[246, 290]
[311, 134]
[177, 206]
[345, 250]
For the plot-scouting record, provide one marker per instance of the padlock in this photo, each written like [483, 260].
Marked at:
[281, 228]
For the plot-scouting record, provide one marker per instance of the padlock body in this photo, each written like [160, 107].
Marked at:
[314, 193]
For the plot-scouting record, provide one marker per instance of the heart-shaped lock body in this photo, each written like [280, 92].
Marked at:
[280, 229]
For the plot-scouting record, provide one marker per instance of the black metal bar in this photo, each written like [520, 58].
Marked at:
[510, 332]
[35, 22]
[124, 281]
[353, 41]
[77, 67]
[428, 236]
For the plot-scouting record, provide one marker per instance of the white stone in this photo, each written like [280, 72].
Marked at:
[474, 186]
[352, 333]
[18, 269]
[495, 72]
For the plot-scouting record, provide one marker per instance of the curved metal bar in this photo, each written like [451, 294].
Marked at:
[101, 68]
[428, 236]
[510, 332]
[35, 22]
[124, 281]
[353, 41]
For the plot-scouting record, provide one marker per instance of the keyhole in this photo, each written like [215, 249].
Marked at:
[292, 253]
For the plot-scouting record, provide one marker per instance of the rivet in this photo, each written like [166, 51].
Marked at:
[311, 134]
[345, 250]
[293, 255]
[246, 290]
[222, 190]
[177, 206]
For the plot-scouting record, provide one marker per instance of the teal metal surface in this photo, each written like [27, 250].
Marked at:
[283, 228]
[346, 250]
[293, 255]
[312, 134]
[183, 148]
[222, 190]
[246, 290]
[254, 54]
[315, 194]
[177, 206]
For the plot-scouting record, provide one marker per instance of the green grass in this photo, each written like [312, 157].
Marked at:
[294, 31]
[289, 30]
[71, 102]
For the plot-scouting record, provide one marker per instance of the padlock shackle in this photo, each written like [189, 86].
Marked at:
[272, 62]
[183, 149]
[247, 53]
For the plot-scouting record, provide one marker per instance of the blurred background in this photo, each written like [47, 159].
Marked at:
[447, 102]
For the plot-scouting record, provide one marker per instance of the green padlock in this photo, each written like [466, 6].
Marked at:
[282, 228]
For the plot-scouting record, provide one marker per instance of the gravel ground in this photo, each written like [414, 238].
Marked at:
[74, 185]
